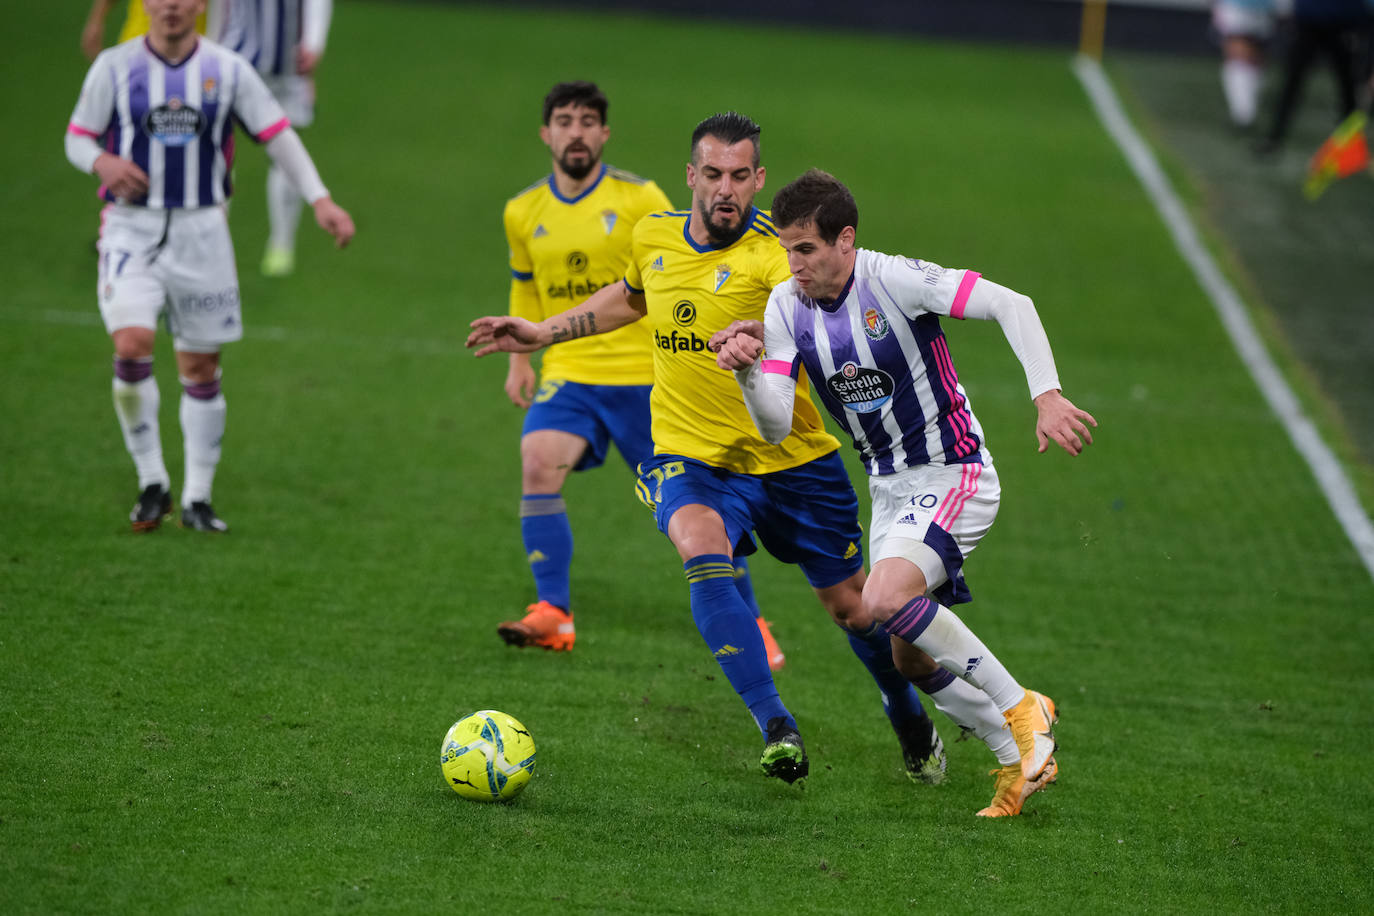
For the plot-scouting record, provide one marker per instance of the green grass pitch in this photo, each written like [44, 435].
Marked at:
[252, 723]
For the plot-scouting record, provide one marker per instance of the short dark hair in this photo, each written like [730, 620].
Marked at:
[729, 127]
[576, 92]
[819, 198]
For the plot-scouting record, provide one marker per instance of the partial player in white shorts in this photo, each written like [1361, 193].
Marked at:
[180, 260]
[934, 516]
[1244, 27]
[296, 94]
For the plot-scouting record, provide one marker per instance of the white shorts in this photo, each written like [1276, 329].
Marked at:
[934, 516]
[177, 261]
[1242, 20]
[296, 94]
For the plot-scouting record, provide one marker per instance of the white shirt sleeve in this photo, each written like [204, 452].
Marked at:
[1021, 324]
[769, 386]
[315, 24]
[82, 151]
[287, 151]
[95, 108]
[255, 107]
[923, 286]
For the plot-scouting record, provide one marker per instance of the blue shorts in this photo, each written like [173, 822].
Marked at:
[806, 515]
[601, 414]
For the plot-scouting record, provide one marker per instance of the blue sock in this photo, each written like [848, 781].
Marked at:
[745, 586]
[548, 546]
[900, 700]
[731, 634]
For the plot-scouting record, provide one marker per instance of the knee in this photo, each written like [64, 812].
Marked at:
[198, 368]
[539, 472]
[845, 605]
[133, 343]
[880, 603]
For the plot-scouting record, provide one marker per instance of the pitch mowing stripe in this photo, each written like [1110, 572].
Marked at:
[91, 319]
[1332, 479]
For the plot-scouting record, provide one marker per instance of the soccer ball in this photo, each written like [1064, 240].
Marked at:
[487, 756]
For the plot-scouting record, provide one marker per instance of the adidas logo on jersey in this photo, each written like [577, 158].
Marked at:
[537, 556]
[907, 520]
[727, 650]
[540, 231]
[658, 263]
[851, 550]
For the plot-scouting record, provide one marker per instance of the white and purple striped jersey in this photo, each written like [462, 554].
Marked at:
[175, 121]
[878, 359]
[267, 32]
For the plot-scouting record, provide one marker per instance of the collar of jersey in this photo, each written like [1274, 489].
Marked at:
[553, 187]
[833, 305]
[149, 46]
[702, 249]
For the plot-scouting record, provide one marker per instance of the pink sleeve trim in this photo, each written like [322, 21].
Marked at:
[82, 132]
[961, 297]
[272, 131]
[777, 366]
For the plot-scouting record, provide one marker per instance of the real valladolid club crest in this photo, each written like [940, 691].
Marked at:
[875, 324]
[608, 220]
[722, 274]
[209, 90]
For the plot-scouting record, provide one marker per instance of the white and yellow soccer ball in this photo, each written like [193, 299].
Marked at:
[487, 756]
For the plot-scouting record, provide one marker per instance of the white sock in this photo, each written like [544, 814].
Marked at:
[1240, 80]
[136, 405]
[970, 708]
[202, 428]
[938, 632]
[283, 210]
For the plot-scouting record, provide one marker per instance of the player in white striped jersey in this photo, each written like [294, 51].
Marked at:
[866, 328]
[155, 124]
[284, 40]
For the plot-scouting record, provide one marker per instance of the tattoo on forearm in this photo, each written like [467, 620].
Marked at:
[582, 324]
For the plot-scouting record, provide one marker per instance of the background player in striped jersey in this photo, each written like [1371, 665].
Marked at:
[865, 327]
[569, 235]
[712, 481]
[284, 40]
[154, 123]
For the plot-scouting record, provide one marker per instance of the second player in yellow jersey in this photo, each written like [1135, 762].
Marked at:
[563, 249]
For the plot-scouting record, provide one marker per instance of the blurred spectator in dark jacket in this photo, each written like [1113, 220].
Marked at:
[1334, 29]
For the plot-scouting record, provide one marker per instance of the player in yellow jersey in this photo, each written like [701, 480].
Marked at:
[569, 235]
[712, 480]
[135, 24]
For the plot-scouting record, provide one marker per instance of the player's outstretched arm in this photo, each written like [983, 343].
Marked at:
[738, 346]
[1062, 422]
[506, 334]
[608, 308]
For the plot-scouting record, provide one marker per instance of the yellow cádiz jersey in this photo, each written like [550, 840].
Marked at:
[693, 291]
[136, 23]
[561, 251]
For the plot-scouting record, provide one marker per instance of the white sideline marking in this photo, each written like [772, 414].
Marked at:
[1332, 479]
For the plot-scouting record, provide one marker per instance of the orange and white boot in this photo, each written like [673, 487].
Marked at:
[544, 624]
